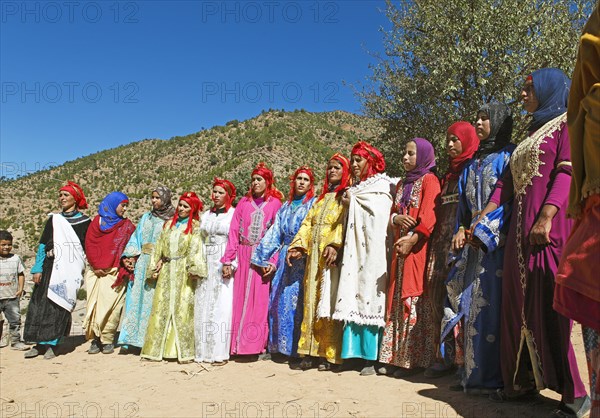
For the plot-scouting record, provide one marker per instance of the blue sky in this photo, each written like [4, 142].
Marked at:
[82, 76]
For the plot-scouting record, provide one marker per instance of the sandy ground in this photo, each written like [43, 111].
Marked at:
[81, 385]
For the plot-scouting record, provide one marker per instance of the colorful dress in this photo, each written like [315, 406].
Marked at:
[140, 293]
[361, 295]
[286, 286]
[323, 226]
[251, 219]
[409, 333]
[214, 295]
[46, 321]
[438, 269]
[170, 331]
[534, 336]
[475, 282]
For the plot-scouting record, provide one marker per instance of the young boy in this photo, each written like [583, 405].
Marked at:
[12, 280]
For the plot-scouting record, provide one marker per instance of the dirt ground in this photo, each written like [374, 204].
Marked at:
[76, 384]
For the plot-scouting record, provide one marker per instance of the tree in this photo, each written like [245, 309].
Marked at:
[443, 60]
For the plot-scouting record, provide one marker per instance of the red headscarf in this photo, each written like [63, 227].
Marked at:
[196, 207]
[77, 192]
[374, 157]
[345, 176]
[311, 192]
[469, 140]
[266, 173]
[229, 190]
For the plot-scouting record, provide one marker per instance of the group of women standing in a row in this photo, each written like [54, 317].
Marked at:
[369, 268]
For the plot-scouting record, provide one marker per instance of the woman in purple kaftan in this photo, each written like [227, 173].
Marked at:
[535, 338]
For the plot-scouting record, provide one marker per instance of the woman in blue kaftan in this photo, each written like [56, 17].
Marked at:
[140, 293]
[285, 316]
[474, 283]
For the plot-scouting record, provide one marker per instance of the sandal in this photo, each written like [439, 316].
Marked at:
[500, 395]
[566, 411]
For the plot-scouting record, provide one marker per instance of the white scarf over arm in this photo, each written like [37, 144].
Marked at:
[68, 266]
[363, 273]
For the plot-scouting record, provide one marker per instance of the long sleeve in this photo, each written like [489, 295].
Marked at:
[234, 235]
[504, 190]
[196, 261]
[271, 242]
[157, 254]
[39, 259]
[335, 237]
[134, 245]
[426, 216]
[558, 193]
[304, 234]
[463, 213]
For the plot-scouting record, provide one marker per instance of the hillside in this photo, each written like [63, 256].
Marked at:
[284, 140]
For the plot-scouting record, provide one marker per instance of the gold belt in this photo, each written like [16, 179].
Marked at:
[147, 248]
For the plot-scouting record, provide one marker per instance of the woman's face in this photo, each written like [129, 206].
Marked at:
[530, 101]
[301, 184]
[218, 196]
[410, 156]
[122, 209]
[453, 146]
[183, 209]
[482, 126]
[66, 201]
[259, 185]
[156, 201]
[358, 165]
[334, 172]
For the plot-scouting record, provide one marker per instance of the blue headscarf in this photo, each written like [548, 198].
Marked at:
[108, 210]
[551, 87]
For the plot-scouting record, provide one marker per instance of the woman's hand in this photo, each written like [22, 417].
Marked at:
[227, 270]
[267, 271]
[346, 199]
[330, 255]
[406, 222]
[37, 278]
[405, 244]
[458, 241]
[540, 232]
[101, 272]
[293, 254]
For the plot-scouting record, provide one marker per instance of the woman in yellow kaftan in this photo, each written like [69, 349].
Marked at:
[320, 236]
[179, 262]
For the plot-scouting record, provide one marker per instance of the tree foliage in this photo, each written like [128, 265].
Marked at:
[443, 60]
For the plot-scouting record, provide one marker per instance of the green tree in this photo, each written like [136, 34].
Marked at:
[444, 60]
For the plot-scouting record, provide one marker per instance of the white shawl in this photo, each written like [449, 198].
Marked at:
[363, 273]
[68, 266]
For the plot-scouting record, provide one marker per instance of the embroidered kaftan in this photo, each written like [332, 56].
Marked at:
[286, 286]
[138, 300]
[475, 282]
[214, 295]
[323, 226]
[170, 331]
[250, 291]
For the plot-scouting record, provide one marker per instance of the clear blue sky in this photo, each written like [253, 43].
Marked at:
[79, 77]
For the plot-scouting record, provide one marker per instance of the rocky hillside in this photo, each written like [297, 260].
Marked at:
[284, 140]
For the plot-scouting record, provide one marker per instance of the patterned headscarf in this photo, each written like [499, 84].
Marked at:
[196, 207]
[374, 157]
[344, 182]
[311, 192]
[77, 192]
[501, 126]
[266, 173]
[229, 190]
[108, 210]
[551, 87]
[425, 164]
[465, 132]
[167, 210]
